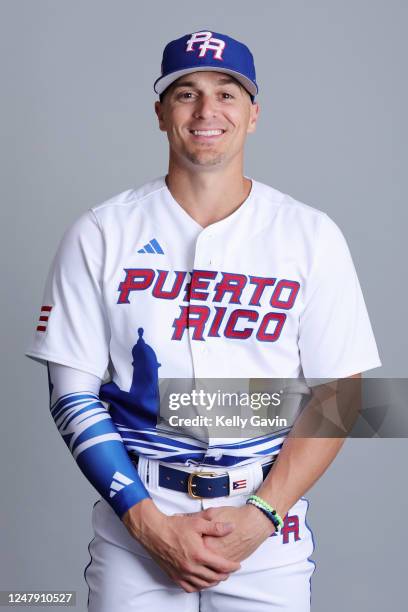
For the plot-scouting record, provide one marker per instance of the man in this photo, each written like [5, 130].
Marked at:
[204, 273]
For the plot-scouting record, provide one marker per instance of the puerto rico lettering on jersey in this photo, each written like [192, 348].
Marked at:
[246, 293]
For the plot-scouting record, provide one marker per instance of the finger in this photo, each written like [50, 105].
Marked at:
[215, 544]
[216, 528]
[209, 575]
[218, 563]
[195, 584]
[208, 513]
[199, 584]
[187, 586]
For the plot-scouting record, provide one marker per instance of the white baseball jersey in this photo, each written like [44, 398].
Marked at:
[138, 291]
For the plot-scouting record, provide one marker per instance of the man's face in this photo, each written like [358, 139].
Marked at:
[207, 116]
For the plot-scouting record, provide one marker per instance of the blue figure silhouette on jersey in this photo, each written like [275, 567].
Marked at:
[138, 407]
[145, 366]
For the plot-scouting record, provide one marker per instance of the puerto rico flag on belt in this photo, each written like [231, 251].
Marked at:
[239, 484]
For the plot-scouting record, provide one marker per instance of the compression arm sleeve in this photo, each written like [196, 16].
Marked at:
[92, 437]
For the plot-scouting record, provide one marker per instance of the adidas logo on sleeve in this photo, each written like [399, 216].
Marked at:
[118, 483]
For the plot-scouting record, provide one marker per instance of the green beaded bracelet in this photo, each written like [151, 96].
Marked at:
[276, 519]
[260, 507]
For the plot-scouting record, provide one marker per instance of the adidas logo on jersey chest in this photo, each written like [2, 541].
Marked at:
[152, 247]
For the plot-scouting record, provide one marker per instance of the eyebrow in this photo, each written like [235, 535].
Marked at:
[221, 81]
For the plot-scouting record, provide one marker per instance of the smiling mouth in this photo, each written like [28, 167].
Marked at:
[207, 133]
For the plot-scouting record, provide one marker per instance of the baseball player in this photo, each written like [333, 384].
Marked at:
[202, 273]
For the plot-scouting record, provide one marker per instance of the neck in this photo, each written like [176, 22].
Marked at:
[208, 196]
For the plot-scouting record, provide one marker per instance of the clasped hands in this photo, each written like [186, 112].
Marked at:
[250, 528]
[200, 549]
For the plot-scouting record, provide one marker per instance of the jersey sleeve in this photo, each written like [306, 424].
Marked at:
[93, 438]
[336, 339]
[72, 328]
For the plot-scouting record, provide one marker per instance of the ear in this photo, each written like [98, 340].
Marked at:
[253, 117]
[158, 108]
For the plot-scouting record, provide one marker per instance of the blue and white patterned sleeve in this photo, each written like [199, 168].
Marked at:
[92, 437]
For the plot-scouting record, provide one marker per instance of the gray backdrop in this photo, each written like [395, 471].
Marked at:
[78, 127]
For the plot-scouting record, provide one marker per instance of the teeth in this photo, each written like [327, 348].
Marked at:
[207, 132]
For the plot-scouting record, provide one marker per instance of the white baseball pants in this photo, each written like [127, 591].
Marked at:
[122, 577]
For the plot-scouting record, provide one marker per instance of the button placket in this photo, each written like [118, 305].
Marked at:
[203, 259]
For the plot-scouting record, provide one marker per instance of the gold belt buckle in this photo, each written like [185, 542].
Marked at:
[191, 484]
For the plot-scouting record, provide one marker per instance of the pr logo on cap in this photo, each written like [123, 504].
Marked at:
[208, 43]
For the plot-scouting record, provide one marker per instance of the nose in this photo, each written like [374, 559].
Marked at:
[205, 107]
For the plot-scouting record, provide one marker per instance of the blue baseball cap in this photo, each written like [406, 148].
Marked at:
[206, 50]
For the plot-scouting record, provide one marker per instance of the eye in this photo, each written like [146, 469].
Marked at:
[227, 96]
[185, 95]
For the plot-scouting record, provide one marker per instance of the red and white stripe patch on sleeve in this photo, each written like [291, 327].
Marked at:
[43, 319]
